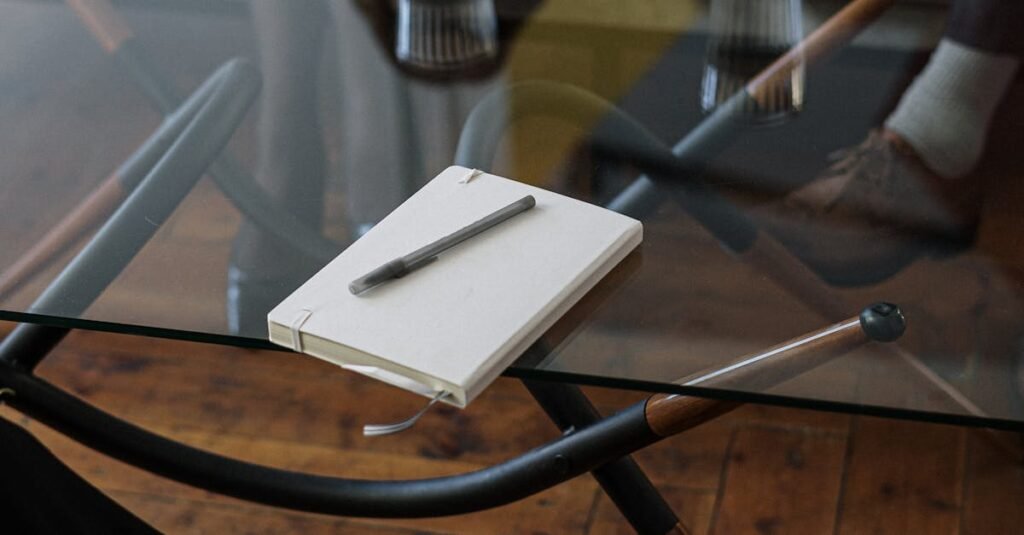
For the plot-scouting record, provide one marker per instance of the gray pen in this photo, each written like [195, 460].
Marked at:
[404, 265]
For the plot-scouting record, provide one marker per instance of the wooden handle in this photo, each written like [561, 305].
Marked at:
[668, 414]
[767, 368]
[85, 217]
[103, 21]
[835, 32]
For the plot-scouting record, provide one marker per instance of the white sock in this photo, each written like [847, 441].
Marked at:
[945, 113]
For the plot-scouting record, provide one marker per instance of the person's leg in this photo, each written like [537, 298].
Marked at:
[380, 150]
[291, 159]
[894, 197]
[945, 113]
[291, 163]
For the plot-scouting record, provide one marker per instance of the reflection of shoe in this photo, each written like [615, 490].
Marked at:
[875, 210]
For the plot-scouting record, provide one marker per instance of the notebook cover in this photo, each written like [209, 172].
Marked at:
[456, 323]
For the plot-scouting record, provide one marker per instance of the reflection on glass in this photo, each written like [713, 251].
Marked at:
[442, 35]
[745, 37]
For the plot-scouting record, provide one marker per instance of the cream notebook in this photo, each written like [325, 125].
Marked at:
[454, 325]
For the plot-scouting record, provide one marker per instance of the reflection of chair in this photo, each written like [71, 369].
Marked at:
[173, 158]
[167, 165]
[118, 40]
[676, 173]
[274, 228]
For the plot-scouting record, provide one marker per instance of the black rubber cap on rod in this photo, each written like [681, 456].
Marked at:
[883, 322]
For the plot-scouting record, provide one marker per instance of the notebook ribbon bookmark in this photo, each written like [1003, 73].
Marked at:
[375, 430]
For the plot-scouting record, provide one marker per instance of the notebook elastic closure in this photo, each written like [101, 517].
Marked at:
[473, 173]
[296, 327]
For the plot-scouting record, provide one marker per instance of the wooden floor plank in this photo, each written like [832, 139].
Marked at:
[903, 477]
[784, 417]
[692, 459]
[693, 507]
[994, 490]
[780, 481]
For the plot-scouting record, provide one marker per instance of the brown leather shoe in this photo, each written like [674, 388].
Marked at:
[876, 209]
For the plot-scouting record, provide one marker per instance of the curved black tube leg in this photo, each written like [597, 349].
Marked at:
[622, 479]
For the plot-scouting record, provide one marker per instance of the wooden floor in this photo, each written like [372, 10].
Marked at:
[759, 470]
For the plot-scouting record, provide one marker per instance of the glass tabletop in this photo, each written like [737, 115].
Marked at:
[362, 102]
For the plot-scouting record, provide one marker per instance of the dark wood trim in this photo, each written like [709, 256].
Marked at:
[668, 414]
[832, 34]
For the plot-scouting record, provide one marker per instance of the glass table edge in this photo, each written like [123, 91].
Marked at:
[535, 374]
